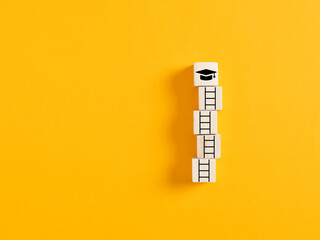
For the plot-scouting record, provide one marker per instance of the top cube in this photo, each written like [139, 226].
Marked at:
[205, 74]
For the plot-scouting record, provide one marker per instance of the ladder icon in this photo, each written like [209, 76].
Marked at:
[210, 98]
[203, 170]
[209, 147]
[204, 123]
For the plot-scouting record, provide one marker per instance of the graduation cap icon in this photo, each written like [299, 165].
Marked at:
[206, 74]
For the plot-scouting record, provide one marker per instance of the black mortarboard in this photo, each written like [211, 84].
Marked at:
[206, 74]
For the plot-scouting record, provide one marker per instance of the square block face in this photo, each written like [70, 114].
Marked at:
[210, 98]
[205, 122]
[209, 146]
[203, 170]
[205, 74]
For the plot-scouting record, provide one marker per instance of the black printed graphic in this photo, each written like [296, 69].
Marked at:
[207, 74]
[204, 123]
[209, 147]
[204, 169]
[210, 98]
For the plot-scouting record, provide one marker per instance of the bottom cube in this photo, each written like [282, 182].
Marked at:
[203, 170]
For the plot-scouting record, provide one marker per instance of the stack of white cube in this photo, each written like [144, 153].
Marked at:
[205, 122]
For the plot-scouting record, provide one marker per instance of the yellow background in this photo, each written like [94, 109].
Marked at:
[96, 101]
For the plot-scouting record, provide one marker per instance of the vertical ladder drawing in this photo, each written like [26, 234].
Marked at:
[209, 97]
[208, 147]
[205, 122]
[204, 170]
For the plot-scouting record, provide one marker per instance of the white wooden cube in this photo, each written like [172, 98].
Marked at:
[205, 122]
[210, 98]
[205, 74]
[203, 170]
[209, 146]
